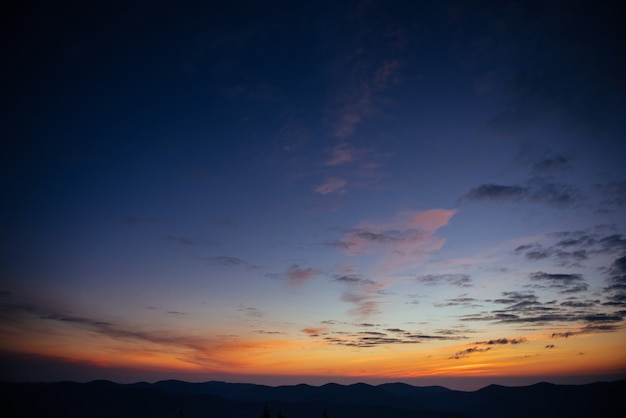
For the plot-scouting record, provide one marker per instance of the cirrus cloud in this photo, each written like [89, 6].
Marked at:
[401, 243]
[332, 185]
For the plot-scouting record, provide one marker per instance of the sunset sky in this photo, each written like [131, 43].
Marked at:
[290, 192]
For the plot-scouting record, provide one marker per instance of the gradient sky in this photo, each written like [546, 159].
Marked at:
[305, 192]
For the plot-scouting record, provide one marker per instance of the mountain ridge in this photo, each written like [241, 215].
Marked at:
[168, 398]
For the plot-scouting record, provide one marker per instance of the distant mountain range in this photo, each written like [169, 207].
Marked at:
[173, 399]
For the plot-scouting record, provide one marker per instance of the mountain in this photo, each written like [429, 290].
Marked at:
[172, 398]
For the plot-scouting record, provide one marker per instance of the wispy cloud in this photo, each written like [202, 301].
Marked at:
[617, 283]
[491, 344]
[503, 341]
[555, 162]
[458, 280]
[541, 185]
[613, 194]
[360, 95]
[340, 154]
[403, 242]
[573, 248]
[364, 293]
[588, 329]
[375, 336]
[297, 276]
[565, 283]
[468, 351]
[398, 245]
[332, 185]
[118, 331]
[497, 192]
[251, 312]
[463, 300]
[409, 235]
[229, 261]
[190, 242]
[314, 332]
[527, 308]
[539, 190]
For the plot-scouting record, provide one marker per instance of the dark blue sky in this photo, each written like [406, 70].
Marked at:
[295, 191]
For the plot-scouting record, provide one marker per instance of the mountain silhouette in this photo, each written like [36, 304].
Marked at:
[171, 398]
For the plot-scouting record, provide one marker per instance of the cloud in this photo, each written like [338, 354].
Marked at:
[228, 261]
[491, 343]
[614, 193]
[251, 312]
[177, 313]
[297, 276]
[458, 280]
[368, 339]
[558, 195]
[395, 330]
[364, 293]
[540, 187]
[353, 279]
[313, 332]
[502, 341]
[617, 283]
[460, 301]
[468, 351]
[573, 302]
[536, 252]
[496, 192]
[402, 242]
[527, 308]
[538, 190]
[341, 154]
[613, 242]
[113, 330]
[332, 185]
[360, 96]
[433, 219]
[572, 248]
[190, 242]
[384, 73]
[364, 306]
[556, 162]
[365, 239]
[351, 113]
[567, 283]
[77, 320]
[588, 329]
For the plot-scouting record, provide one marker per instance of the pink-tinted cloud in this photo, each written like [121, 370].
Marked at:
[401, 243]
[332, 185]
[314, 332]
[433, 219]
[366, 295]
[352, 113]
[297, 276]
[384, 73]
[359, 101]
[341, 154]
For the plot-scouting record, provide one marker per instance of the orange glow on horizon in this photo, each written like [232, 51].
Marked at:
[532, 355]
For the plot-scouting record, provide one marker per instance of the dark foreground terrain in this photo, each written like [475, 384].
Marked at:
[173, 399]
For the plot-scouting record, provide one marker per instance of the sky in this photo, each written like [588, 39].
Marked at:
[309, 192]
